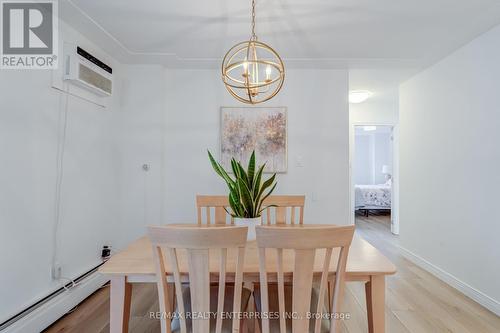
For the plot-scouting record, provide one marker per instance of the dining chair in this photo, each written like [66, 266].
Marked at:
[198, 244]
[285, 209]
[300, 298]
[216, 205]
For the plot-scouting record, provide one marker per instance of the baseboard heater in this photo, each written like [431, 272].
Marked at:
[67, 287]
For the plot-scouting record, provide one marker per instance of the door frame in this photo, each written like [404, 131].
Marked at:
[395, 170]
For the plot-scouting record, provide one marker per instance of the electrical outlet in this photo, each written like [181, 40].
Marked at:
[106, 252]
[56, 271]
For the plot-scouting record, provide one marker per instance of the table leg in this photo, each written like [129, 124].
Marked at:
[375, 303]
[121, 294]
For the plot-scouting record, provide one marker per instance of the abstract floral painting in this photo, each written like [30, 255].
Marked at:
[263, 129]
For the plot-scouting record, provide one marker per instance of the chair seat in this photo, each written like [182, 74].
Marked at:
[274, 324]
[228, 307]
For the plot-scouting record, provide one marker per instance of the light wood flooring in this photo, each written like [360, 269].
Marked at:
[416, 301]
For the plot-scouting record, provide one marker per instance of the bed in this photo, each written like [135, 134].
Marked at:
[373, 197]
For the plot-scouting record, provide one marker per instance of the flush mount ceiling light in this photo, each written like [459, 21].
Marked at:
[359, 96]
[252, 71]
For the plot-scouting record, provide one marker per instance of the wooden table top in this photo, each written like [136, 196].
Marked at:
[363, 260]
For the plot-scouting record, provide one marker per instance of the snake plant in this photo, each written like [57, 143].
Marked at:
[246, 190]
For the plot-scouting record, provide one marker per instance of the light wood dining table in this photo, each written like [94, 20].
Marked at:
[135, 265]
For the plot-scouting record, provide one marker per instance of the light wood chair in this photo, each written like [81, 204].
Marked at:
[304, 241]
[216, 203]
[286, 206]
[289, 209]
[198, 242]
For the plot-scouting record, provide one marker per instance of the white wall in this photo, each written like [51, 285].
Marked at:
[450, 165]
[373, 150]
[382, 108]
[139, 133]
[382, 156]
[363, 161]
[103, 185]
[317, 133]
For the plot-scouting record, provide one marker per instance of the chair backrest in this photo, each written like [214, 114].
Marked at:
[285, 209]
[304, 241]
[205, 204]
[284, 212]
[198, 242]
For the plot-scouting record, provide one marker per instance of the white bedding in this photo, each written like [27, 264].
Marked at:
[375, 196]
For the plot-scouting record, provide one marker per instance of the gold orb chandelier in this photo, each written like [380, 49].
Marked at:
[252, 71]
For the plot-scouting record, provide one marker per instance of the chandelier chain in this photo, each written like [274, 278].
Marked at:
[254, 36]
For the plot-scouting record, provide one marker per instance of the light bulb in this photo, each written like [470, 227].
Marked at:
[268, 72]
[245, 68]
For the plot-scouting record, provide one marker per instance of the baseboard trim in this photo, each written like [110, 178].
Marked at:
[481, 298]
[42, 317]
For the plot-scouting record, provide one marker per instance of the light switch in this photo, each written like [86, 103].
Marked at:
[299, 161]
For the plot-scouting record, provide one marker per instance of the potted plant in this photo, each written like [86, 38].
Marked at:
[246, 192]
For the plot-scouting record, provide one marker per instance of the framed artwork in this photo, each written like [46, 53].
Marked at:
[263, 129]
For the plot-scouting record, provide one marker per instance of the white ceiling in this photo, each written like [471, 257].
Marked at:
[366, 34]
[383, 83]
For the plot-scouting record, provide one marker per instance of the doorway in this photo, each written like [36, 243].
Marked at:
[374, 194]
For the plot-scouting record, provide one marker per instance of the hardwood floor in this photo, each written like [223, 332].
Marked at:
[416, 301]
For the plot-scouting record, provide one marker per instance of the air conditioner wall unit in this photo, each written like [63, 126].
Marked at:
[87, 71]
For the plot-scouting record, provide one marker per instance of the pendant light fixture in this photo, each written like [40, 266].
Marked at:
[252, 71]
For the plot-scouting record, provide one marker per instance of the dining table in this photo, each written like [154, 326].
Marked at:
[134, 264]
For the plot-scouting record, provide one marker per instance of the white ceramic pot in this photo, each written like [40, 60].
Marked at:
[250, 223]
